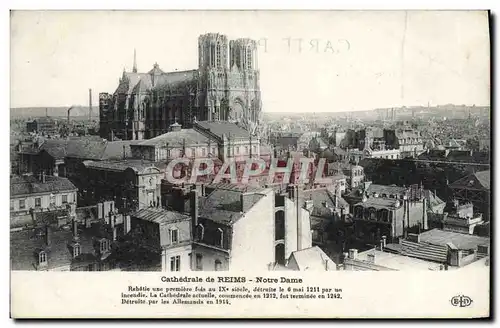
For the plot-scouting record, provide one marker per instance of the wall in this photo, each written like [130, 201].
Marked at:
[185, 258]
[45, 201]
[208, 258]
[291, 228]
[253, 236]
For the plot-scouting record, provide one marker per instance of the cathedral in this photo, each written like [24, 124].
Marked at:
[225, 87]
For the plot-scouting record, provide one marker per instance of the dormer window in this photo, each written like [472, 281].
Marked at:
[104, 245]
[200, 232]
[174, 235]
[220, 238]
[76, 250]
[42, 257]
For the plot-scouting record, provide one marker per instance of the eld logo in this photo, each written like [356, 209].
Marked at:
[461, 300]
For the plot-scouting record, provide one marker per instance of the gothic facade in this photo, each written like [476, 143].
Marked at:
[225, 87]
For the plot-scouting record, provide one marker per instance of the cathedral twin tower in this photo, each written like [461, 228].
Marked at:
[225, 87]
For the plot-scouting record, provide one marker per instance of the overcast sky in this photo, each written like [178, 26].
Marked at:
[308, 60]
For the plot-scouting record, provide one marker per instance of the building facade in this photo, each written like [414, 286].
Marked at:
[225, 87]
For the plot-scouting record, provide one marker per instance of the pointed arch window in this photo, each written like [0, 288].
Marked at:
[220, 238]
[219, 60]
[42, 257]
[200, 232]
[249, 57]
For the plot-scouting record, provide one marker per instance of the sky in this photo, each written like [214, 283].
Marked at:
[318, 61]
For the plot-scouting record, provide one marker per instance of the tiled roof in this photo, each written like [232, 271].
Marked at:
[88, 149]
[24, 244]
[320, 197]
[134, 164]
[172, 78]
[224, 206]
[24, 185]
[378, 203]
[478, 180]
[378, 189]
[313, 259]
[177, 138]
[159, 215]
[221, 128]
[460, 240]
[397, 261]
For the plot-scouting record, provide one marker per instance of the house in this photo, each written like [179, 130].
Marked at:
[474, 188]
[452, 249]
[310, 259]
[378, 260]
[33, 197]
[132, 184]
[69, 247]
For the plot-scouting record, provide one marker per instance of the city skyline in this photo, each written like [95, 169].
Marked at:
[333, 68]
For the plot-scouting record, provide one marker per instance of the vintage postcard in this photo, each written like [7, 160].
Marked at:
[250, 164]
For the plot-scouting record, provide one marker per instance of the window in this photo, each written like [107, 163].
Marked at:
[220, 239]
[22, 204]
[193, 152]
[213, 150]
[203, 151]
[249, 57]
[218, 56]
[174, 235]
[64, 199]
[11, 205]
[218, 265]
[199, 262]
[237, 150]
[42, 257]
[200, 231]
[104, 246]
[175, 263]
[76, 250]
[246, 150]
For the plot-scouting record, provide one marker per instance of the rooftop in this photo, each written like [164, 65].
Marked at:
[478, 180]
[24, 244]
[397, 261]
[26, 185]
[185, 137]
[134, 164]
[460, 240]
[313, 259]
[159, 215]
[224, 204]
[223, 128]
[378, 203]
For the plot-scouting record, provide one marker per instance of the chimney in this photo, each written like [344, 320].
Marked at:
[115, 230]
[424, 214]
[353, 254]
[43, 177]
[126, 224]
[47, 235]
[194, 209]
[100, 210]
[384, 240]
[298, 202]
[74, 227]
[245, 204]
[381, 245]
